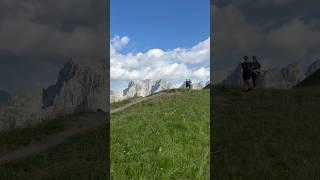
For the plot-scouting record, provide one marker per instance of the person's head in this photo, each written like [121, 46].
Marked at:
[254, 58]
[245, 58]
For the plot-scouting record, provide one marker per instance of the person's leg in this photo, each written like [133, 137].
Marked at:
[245, 84]
[248, 85]
[254, 79]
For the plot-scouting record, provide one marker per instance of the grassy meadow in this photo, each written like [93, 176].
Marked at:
[82, 157]
[266, 134]
[166, 137]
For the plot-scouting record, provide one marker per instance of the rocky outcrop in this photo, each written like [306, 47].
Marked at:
[292, 74]
[272, 78]
[81, 86]
[24, 109]
[117, 96]
[141, 88]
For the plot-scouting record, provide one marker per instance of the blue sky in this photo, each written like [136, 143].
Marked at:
[165, 25]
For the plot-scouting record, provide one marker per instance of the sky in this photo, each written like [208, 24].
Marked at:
[38, 37]
[152, 39]
[278, 32]
[159, 40]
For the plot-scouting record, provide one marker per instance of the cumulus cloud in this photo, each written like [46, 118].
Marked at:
[246, 30]
[38, 37]
[173, 65]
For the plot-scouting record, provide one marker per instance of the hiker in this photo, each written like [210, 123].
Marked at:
[188, 84]
[255, 70]
[246, 73]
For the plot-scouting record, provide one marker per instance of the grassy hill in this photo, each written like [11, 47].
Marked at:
[162, 138]
[80, 157]
[165, 137]
[266, 134]
[312, 80]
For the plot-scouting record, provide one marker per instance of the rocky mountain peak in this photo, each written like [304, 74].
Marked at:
[292, 74]
[141, 88]
[80, 87]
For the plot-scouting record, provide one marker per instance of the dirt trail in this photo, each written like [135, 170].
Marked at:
[85, 123]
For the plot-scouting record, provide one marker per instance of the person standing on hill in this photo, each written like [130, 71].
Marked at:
[255, 70]
[246, 73]
[188, 84]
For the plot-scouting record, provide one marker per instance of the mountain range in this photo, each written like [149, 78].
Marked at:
[80, 87]
[278, 78]
[143, 88]
[311, 80]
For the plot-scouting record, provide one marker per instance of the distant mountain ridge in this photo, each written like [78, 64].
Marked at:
[143, 88]
[80, 87]
[278, 78]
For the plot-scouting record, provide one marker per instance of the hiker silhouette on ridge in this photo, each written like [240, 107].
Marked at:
[255, 73]
[250, 72]
[246, 73]
[188, 84]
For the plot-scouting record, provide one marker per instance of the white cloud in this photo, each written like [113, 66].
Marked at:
[172, 65]
[286, 39]
[202, 73]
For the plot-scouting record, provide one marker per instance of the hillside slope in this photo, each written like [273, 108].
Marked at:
[162, 138]
[82, 156]
[266, 134]
[311, 80]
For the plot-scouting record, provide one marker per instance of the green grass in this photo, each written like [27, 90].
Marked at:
[16, 138]
[81, 157]
[310, 81]
[266, 134]
[121, 103]
[163, 138]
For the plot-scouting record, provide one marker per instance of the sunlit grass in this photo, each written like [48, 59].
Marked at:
[162, 138]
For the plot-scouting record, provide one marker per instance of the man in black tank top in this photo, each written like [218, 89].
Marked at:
[246, 72]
